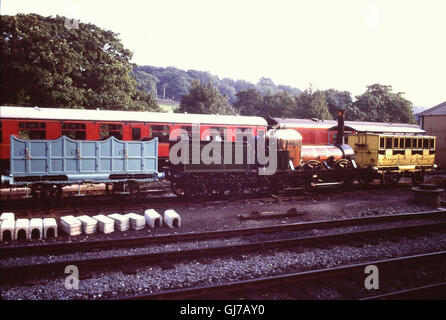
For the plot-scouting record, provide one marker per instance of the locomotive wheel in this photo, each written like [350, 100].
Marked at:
[312, 165]
[343, 163]
[417, 178]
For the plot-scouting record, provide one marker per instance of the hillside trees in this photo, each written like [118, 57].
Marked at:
[204, 98]
[43, 63]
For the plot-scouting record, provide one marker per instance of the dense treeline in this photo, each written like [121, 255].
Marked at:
[173, 83]
[202, 92]
[45, 63]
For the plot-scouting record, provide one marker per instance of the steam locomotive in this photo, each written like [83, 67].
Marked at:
[47, 149]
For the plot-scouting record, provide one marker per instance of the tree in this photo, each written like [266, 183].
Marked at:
[46, 64]
[204, 99]
[249, 102]
[146, 82]
[380, 104]
[280, 104]
[312, 104]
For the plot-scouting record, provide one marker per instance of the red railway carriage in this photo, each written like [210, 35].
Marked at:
[322, 132]
[80, 124]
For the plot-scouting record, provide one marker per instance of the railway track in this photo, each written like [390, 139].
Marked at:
[93, 204]
[30, 272]
[295, 284]
[67, 247]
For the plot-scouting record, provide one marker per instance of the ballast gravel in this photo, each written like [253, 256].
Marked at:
[190, 245]
[221, 270]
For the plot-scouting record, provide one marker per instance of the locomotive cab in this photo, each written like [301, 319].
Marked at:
[289, 144]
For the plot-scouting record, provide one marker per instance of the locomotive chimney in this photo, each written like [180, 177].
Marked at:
[341, 116]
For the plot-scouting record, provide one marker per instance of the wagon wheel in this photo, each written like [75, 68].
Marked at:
[236, 189]
[278, 186]
[366, 181]
[178, 189]
[133, 188]
[392, 178]
[417, 178]
[312, 165]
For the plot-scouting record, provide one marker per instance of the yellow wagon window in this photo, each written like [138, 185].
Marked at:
[425, 143]
[388, 143]
[431, 144]
[414, 143]
[408, 143]
[401, 143]
[381, 143]
[420, 143]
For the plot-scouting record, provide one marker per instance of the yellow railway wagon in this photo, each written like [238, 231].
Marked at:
[394, 156]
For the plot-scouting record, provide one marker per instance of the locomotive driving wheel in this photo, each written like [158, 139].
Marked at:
[312, 165]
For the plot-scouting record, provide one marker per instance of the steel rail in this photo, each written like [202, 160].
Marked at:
[203, 292]
[13, 274]
[66, 247]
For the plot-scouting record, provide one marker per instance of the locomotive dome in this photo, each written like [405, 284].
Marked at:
[288, 137]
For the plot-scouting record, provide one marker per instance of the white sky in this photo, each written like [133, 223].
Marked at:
[342, 44]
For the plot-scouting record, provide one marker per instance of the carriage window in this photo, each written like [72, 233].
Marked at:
[395, 143]
[401, 143]
[420, 143]
[425, 144]
[218, 136]
[408, 143]
[110, 130]
[245, 133]
[388, 143]
[160, 132]
[76, 131]
[381, 143]
[136, 133]
[32, 130]
[414, 143]
[188, 129]
[431, 143]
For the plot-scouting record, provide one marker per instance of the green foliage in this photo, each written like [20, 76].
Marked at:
[249, 102]
[379, 103]
[46, 64]
[174, 83]
[313, 104]
[204, 99]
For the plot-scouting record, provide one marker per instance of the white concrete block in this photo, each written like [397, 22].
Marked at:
[105, 224]
[136, 221]
[7, 216]
[21, 226]
[153, 218]
[71, 226]
[122, 222]
[172, 219]
[36, 226]
[49, 227]
[89, 225]
[7, 226]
